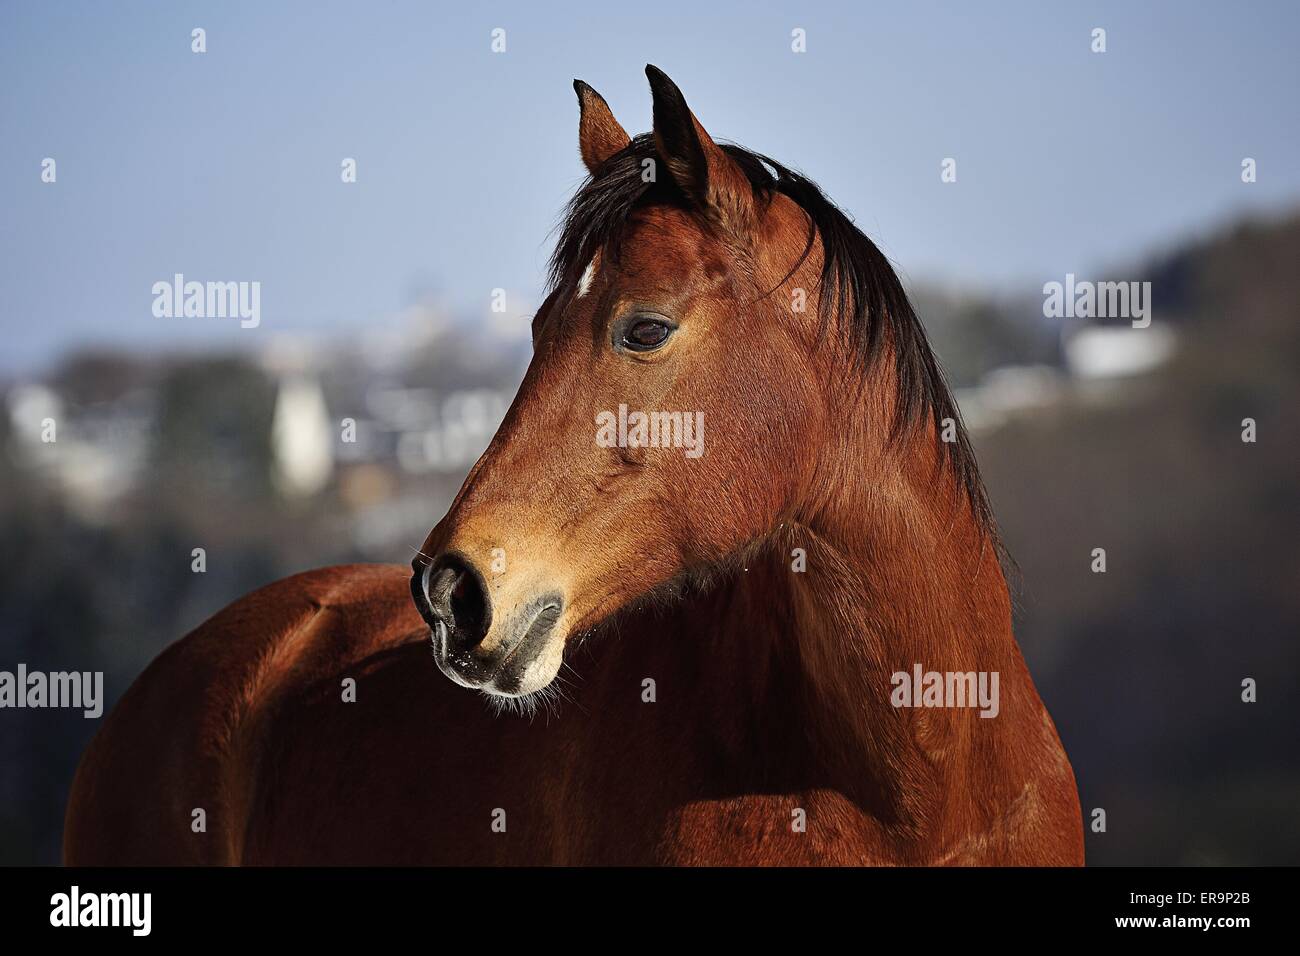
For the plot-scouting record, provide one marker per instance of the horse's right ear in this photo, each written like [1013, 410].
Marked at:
[599, 135]
[701, 169]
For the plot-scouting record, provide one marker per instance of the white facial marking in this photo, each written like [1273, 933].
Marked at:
[585, 282]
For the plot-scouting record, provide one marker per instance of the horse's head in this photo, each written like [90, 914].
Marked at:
[668, 418]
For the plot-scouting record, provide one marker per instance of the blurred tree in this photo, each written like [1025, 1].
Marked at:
[214, 429]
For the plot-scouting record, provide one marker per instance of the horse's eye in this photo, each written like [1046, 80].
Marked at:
[646, 335]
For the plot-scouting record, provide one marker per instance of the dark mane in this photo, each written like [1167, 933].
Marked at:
[859, 287]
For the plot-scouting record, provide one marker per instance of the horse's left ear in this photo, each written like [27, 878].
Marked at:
[699, 167]
[599, 135]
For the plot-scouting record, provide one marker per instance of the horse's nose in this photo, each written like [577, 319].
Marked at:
[452, 596]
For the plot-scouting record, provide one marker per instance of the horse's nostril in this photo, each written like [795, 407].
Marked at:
[455, 596]
[469, 606]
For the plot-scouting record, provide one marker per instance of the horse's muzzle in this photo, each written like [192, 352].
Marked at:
[453, 598]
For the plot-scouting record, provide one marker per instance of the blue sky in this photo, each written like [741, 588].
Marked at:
[225, 166]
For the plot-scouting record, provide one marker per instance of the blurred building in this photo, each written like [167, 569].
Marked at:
[302, 438]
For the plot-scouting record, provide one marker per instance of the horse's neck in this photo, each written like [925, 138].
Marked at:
[882, 590]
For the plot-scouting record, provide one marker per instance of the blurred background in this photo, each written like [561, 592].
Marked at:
[378, 309]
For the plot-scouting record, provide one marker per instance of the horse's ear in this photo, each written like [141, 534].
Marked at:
[599, 134]
[699, 167]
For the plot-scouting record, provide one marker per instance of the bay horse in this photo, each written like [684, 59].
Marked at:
[715, 640]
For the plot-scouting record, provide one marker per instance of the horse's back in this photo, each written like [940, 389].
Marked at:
[174, 773]
[310, 725]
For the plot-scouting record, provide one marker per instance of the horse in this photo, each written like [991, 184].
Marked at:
[652, 642]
